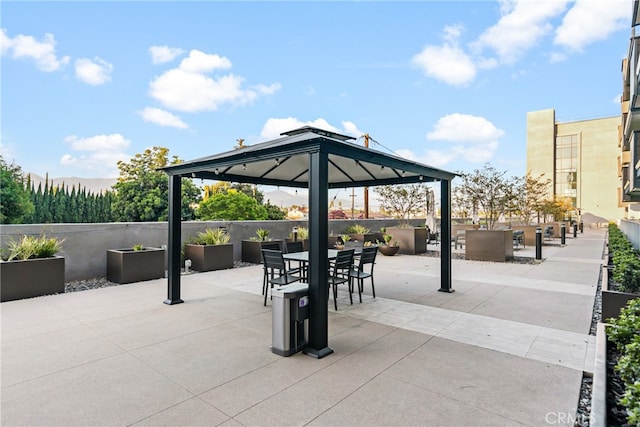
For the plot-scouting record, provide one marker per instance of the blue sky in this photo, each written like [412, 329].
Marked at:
[85, 84]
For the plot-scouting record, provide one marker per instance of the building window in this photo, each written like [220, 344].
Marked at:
[566, 168]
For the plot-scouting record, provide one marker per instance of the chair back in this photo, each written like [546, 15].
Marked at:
[273, 260]
[368, 255]
[295, 247]
[343, 261]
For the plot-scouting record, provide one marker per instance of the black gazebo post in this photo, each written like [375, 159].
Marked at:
[445, 236]
[318, 341]
[175, 223]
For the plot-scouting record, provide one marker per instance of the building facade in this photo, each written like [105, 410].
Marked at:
[580, 158]
[628, 140]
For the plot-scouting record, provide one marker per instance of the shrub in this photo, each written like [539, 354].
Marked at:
[211, 236]
[303, 233]
[624, 332]
[262, 234]
[626, 260]
[357, 229]
[137, 248]
[30, 247]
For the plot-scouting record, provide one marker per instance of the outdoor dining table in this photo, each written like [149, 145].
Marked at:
[303, 258]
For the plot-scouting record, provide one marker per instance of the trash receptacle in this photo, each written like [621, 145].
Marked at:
[290, 311]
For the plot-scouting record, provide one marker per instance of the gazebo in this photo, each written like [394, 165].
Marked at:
[318, 160]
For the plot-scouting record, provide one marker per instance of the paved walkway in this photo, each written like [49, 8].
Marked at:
[507, 348]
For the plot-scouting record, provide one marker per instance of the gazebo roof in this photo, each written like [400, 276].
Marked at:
[285, 162]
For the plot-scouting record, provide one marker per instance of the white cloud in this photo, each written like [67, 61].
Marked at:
[268, 90]
[188, 88]
[274, 127]
[162, 54]
[162, 118]
[102, 153]
[465, 137]
[447, 63]
[592, 20]
[464, 128]
[27, 47]
[200, 62]
[522, 25]
[616, 99]
[94, 72]
[435, 158]
[113, 142]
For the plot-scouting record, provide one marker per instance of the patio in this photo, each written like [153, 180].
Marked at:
[507, 348]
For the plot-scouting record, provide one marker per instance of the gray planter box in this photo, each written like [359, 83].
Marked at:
[252, 249]
[412, 240]
[209, 257]
[127, 265]
[31, 278]
[613, 301]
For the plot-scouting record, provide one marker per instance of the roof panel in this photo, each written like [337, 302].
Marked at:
[285, 161]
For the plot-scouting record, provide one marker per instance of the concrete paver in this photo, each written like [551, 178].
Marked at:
[508, 347]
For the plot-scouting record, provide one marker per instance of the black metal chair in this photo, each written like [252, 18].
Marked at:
[276, 271]
[359, 272]
[274, 246]
[292, 247]
[339, 273]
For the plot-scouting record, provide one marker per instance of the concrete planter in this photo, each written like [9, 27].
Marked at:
[613, 301]
[127, 265]
[209, 257]
[31, 278]
[252, 249]
[412, 240]
[489, 245]
[598, 415]
[388, 250]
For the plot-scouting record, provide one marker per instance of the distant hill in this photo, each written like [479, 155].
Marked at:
[92, 185]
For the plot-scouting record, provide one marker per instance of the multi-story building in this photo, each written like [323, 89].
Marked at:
[628, 140]
[581, 160]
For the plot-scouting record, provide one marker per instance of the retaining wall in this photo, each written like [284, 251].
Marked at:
[85, 245]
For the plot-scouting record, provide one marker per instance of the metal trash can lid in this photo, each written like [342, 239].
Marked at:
[291, 291]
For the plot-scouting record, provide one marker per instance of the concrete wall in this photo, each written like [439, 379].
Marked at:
[85, 245]
[631, 229]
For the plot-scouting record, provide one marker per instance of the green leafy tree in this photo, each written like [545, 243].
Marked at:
[487, 190]
[142, 191]
[402, 201]
[15, 202]
[231, 205]
[529, 196]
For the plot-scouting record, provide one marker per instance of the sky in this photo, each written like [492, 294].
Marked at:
[444, 83]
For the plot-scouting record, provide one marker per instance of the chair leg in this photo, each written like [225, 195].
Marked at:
[350, 285]
[360, 285]
[266, 292]
[373, 288]
[335, 296]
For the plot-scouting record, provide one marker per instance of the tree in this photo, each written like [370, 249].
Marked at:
[15, 202]
[529, 195]
[273, 212]
[488, 190]
[231, 205]
[142, 191]
[402, 201]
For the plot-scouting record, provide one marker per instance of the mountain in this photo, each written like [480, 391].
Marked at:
[92, 185]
